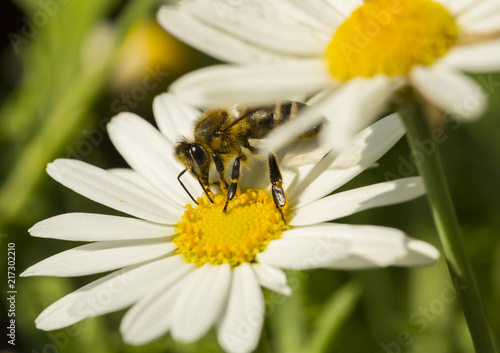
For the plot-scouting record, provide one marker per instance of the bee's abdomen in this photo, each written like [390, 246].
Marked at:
[286, 110]
[264, 119]
[289, 110]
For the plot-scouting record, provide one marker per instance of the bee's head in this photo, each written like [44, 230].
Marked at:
[195, 158]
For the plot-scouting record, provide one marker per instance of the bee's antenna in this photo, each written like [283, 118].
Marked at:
[201, 184]
[185, 189]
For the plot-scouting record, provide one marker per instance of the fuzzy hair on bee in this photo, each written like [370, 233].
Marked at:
[215, 128]
[224, 133]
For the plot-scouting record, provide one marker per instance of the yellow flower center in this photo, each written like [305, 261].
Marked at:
[390, 37]
[207, 234]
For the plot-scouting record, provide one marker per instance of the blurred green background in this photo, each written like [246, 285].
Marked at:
[68, 66]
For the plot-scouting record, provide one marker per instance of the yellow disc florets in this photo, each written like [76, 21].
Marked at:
[207, 234]
[390, 37]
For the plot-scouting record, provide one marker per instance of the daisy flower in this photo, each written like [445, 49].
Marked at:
[353, 51]
[183, 268]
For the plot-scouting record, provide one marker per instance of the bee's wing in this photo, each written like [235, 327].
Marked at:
[241, 113]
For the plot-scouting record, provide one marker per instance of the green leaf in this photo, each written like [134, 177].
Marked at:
[335, 312]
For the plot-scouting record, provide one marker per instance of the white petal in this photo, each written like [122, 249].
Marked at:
[268, 28]
[323, 12]
[219, 44]
[241, 325]
[304, 248]
[57, 315]
[457, 7]
[272, 278]
[480, 57]
[99, 257]
[109, 293]
[354, 106]
[346, 7]
[306, 119]
[488, 25]
[128, 286]
[373, 246]
[303, 155]
[451, 91]
[96, 227]
[134, 177]
[300, 158]
[254, 173]
[482, 18]
[112, 191]
[174, 118]
[419, 254]
[349, 202]
[148, 152]
[344, 246]
[347, 110]
[201, 302]
[334, 171]
[300, 16]
[251, 84]
[151, 317]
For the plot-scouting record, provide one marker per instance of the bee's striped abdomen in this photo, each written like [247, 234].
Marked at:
[264, 119]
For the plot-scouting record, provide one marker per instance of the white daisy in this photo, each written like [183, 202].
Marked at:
[185, 268]
[358, 53]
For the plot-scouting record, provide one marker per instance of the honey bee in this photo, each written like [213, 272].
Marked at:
[225, 133]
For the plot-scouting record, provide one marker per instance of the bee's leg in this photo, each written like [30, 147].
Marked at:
[205, 185]
[252, 149]
[277, 184]
[235, 176]
[219, 166]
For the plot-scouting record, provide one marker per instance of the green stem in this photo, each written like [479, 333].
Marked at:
[288, 319]
[443, 212]
[333, 315]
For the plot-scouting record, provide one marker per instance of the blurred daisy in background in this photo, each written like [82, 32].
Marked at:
[148, 51]
[184, 268]
[356, 53]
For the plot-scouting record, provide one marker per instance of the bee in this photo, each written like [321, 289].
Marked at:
[225, 133]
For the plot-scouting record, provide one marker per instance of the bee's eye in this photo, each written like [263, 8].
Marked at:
[198, 154]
